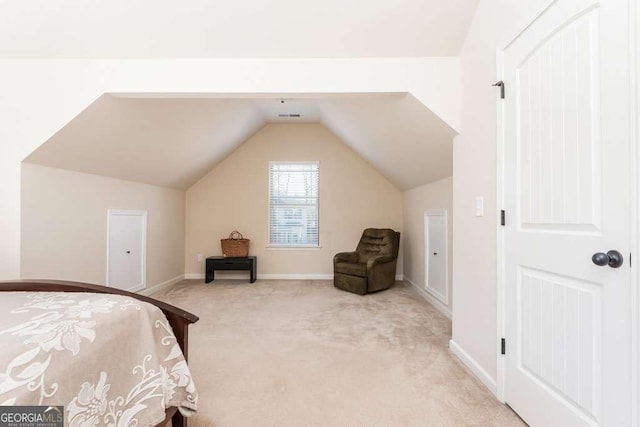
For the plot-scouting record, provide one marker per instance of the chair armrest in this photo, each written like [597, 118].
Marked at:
[380, 260]
[350, 257]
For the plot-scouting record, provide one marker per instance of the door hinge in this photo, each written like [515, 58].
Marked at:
[629, 259]
[500, 84]
[503, 346]
[503, 217]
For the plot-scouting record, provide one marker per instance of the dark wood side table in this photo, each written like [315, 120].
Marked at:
[230, 263]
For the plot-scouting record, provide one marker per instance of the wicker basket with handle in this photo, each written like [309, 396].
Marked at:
[235, 246]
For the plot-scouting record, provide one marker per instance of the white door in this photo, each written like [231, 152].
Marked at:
[567, 154]
[435, 227]
[126, 251]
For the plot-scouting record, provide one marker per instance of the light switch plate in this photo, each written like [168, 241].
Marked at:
[479, 206]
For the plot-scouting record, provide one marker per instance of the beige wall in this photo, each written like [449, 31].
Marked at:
[64, 225]
[234, 195]
[434, 196]
[41, 96]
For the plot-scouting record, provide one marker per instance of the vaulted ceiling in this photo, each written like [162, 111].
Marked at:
[233, 29]
[174, 142]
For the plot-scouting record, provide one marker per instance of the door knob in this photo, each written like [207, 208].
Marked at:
[612, 258]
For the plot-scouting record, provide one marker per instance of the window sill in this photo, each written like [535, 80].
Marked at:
[293, 248]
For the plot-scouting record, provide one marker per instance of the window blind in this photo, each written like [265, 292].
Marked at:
[293, 203]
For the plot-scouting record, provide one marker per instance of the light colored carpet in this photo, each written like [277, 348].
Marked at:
[302, 353]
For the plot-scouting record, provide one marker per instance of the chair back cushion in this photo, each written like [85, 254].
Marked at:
[376, 242]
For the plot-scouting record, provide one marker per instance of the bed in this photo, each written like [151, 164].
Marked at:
[109, 356]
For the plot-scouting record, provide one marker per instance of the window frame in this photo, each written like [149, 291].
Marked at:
[281, 246]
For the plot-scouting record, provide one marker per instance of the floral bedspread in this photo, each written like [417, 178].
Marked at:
[109, 359]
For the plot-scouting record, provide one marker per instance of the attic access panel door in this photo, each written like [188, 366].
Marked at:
[126, 249]
[435, 230]
[567, 188]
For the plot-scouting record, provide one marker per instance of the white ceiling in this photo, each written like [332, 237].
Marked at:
[174, 142]
[233, 29]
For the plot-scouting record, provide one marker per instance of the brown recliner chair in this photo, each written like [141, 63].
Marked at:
[372, 267]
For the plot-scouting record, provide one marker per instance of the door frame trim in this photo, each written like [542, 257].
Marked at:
[143, 215]
[634, 135]
[500, 247]
[500, 183]
[443, 213]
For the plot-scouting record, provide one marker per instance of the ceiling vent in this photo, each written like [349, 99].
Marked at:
[292, 115]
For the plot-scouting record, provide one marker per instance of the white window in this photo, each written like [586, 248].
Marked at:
[293, 204]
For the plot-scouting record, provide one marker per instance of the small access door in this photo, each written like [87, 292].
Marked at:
[435, 238]
[126, 250]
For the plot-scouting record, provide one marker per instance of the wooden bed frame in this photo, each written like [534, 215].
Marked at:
[178, 318]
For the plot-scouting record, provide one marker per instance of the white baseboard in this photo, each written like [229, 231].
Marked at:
[225, 275]
[161, 286]
[276, 276]
[318, 276]
[222, 275]
[430, 298]
[474, 367]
